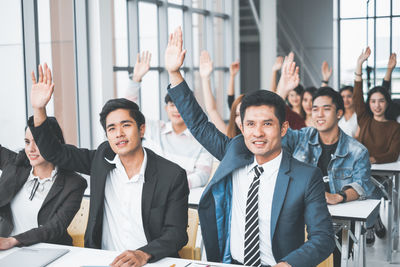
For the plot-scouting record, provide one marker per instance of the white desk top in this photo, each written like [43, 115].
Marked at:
[393, 166]
[357, 210]
[99, 258]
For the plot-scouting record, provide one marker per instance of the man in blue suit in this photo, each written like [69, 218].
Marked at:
[266, 230]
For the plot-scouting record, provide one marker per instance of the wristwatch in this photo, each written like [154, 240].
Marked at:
[343, 194]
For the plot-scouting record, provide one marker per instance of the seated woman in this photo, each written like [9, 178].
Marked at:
[306, 103]
[37, 199]
[377, 130]
[348, 122]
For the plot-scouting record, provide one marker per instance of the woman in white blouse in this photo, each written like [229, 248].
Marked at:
[348, 122]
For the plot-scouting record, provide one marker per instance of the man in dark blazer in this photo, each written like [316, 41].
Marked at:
[296, 199]
[117, 163]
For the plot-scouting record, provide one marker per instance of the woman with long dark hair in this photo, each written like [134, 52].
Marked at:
[37, 199]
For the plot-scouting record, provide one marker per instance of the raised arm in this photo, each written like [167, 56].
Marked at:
[388, 75]
[290, 78]
[195, 119]
[66, 156]
[233, 71]
[326, 73]
[275, 68]
[142, 66]
[358, 97]
[206, 67]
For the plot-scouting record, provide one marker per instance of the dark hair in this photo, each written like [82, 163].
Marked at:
[232, 129]
[55, 128]
[299, 91]
[121, 103]
[348, 87]
[264, 97]
[311, 90]
[168, 99]
[385, 93]
[334, 95]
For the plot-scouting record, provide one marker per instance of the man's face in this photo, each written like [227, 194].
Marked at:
[262, 132]
[122, 133]
[173, 114]
[347, 96]
[324, 114]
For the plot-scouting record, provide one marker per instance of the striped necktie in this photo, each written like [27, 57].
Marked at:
[251, 236]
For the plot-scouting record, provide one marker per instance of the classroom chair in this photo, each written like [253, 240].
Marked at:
[328, 262]
[78, 225]
[190, 251]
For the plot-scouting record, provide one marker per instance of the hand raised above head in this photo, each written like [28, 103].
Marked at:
[392, 61]
[206, 64]
[290, 78]
[42, 89]
[234, 68]
[326, 71]
[174, 54]
[364, 55]
[277, 64]
[142, 66]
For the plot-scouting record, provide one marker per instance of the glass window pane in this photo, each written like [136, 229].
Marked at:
[382, 47]
[219, 85]
[178, 2]
[353, 8]
[396, 49]
[12, 95]
[371, 8]
[44, 25]
[120, 33]
[150, 96]
[383, 7]
[148, 33]
[218, 42]
[218, 6]
[198, 3]
[175, 19]
[350, 47]
[198, 36]
[197, 89]
[396, 7]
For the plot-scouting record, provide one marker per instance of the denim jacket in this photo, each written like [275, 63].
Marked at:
[349, 166]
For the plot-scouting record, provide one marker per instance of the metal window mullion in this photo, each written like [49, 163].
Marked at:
[229, 54]
[30, 40]
[162, 44]
[132, 9]
[208, 38]
[81, 49]
[188, 44]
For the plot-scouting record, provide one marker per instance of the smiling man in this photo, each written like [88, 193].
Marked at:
[254, 210]
[138, 200]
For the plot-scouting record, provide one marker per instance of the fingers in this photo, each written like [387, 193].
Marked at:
[48, 75]
[33, 77]
[40, 74]
[137, 58]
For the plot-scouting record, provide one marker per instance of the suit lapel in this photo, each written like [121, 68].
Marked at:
[281, 186]
[55, 189]
[148, 189]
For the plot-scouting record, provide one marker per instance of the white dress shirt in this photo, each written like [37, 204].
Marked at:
[122, 217]
[25, 211]
[350, 126]
[182, 149]
[241, 181]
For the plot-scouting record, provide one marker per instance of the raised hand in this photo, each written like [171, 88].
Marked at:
[277, 64]
[364, 56]
[290, 78]
[234, 68]
[142, 66]
[392, 61]
[326, 71]
[42, 89]
[174, 54]
[206, 65]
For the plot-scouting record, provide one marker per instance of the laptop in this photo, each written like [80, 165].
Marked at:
[32, 257]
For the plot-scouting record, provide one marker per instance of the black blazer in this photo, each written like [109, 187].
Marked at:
[164, 196]
[57, 211]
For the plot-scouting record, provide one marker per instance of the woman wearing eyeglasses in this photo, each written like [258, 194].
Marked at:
[37, 199]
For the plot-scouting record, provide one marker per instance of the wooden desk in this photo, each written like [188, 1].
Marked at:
[358, 211]
[391, 170]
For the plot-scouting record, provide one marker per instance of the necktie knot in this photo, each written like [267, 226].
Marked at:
[258, 170]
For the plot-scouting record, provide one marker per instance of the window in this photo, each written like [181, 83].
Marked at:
[205, 25]
[370, 23]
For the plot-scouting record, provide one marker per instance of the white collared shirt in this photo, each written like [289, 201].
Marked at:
[241, 181]
[350, 126]
[122, 216]
[183, 149]
[25, 211]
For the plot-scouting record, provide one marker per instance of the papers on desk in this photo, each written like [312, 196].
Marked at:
[33, 257]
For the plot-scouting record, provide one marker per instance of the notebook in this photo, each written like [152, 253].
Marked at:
[32, 257]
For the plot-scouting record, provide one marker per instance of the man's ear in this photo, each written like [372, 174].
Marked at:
[142, 130]
[284, 128]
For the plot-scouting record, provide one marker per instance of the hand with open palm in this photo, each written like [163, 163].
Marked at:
[42, 89]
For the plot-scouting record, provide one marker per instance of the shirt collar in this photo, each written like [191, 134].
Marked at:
[269, 166]
[168, 129]
[136, 178]
[51, 178]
